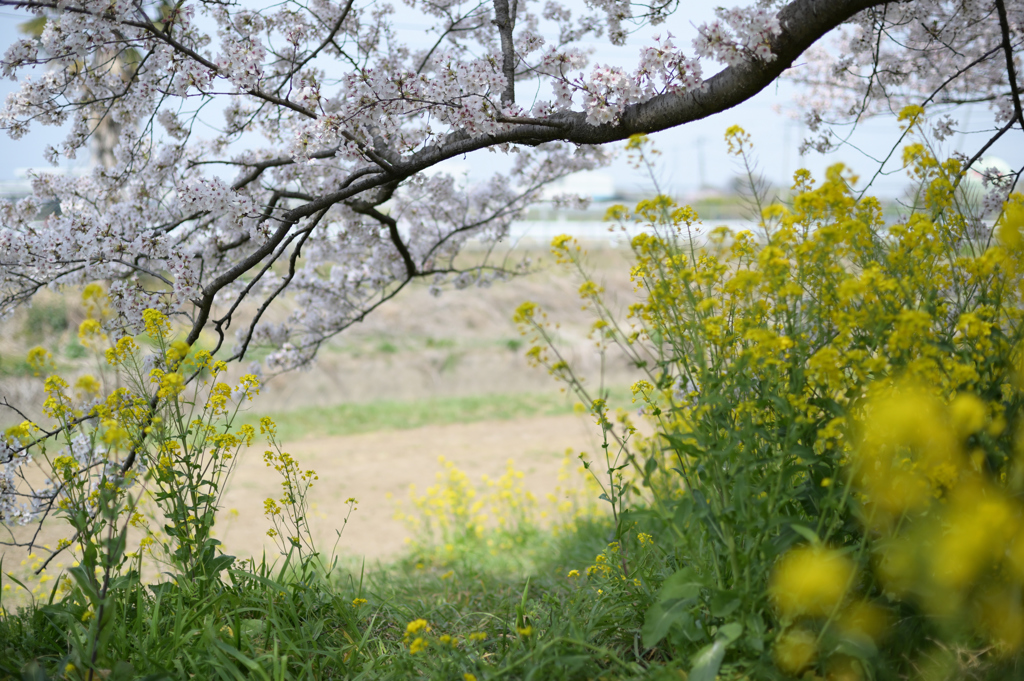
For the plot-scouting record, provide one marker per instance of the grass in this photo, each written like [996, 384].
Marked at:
[491, 615]
[354, 418]
[14, 366]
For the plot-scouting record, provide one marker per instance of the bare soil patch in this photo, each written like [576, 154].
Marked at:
[371, 466]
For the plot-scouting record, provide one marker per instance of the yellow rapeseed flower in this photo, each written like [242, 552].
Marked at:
[177, 352]
[911, 114]
[968, 414]
[267, 426]
[95, 299]
[795, 651]
[979, 525]
[122, 350]
[90, 333]
[171, 385]
[864, 618]
[736, 138]
[560, 241]
[810, 581]
[250, 385]
[525, 313]
[87, 386]
[907, 454]
[416, 626]
[39, 360]
[157, 324]
[23, 433]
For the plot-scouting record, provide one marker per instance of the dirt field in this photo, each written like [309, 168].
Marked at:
[377, 469]
[372, 466]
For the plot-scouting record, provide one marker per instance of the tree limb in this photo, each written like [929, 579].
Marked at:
[505, 23]
[1011, 71]
[803, 23]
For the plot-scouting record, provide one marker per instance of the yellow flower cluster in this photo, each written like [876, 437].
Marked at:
[157, 324]
[96, 301]
[935, 469]
[90, 334]
[811, 582]
[289, 512]
[842, 364]
[22, 434]
[169, 384]
[815, 308]
[447, 507]
[947, 512]
[181, 444]
[499, 510]
[414, 636]
[40, 360]
[122, 351]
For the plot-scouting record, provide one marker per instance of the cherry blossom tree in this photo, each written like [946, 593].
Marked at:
[316, 180]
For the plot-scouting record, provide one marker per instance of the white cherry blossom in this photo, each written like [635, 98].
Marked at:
[312, 184]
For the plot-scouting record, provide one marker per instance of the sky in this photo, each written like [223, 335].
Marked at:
[692, 155]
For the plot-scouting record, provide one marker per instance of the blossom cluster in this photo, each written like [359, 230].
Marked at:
[928, 52]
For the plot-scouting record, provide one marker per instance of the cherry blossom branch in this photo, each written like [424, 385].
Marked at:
[258, 167]
[365, 208]
[896, 145]
[528, 120]
[296, 252]
[378, 114]
[205, 303]
[1011, 72]
[163, 37]
[505, 22]
[452, 28]
[803, 22]
[988, 145]
[328, 40]
[224, 321]
[311, 347]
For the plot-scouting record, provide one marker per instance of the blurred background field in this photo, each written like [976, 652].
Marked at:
[423, 378]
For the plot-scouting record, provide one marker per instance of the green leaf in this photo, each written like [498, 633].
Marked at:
[219, 564]
[730, 632]
[122, 671]
[86, 582]
[807, 533]
[680, 445]
[661, 616]
[684, 583]
[33, 671]
[755, 632]
[724, 603]
[707, 662]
